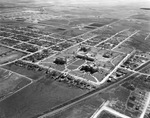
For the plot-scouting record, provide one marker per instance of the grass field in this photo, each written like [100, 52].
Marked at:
[72, 67]
[132, 23]
[106, 114]
[98, 21]
[38, 98]
[141, 17]
[85, 76]
[118, 59]
[73, 32]
[24, 71]
[84, 109]
[4, 50]
[138, 42]
[121, 94]
[100, 75]
[14, 23]
[124, 48]
[53, 29]
[10, 82]
[54, 66]
[11, 56]
[146, 69]
[55, 22]
[118, 97]
[79, 62]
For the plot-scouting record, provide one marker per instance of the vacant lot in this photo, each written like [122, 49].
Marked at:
[124, 48]
[3, 50]
[11, 56]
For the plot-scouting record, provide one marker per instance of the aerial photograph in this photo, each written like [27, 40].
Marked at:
[74, 58]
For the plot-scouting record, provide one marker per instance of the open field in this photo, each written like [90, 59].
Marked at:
[73, 32]
[4, 50]
[133, 23]
[8, 55]
[87, 107]
[124, 48]
[141, 17]
[10, 83]
[138, 42]
[146, 69]
[26, 71]
[14, 23]
[106, 114]
[55, 22]
[84, 109]
[51, 29]
[95, 22]
[38, 98]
